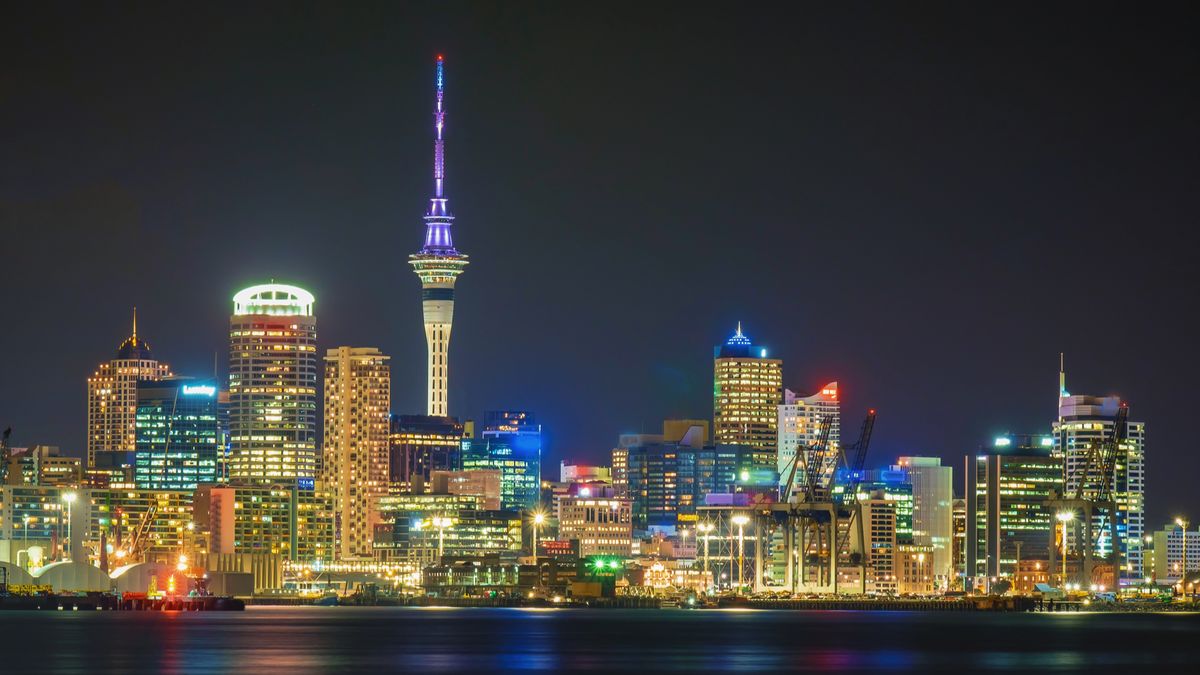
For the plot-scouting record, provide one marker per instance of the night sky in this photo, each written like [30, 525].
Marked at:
[925, 202]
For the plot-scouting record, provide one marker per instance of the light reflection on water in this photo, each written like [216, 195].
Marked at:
[321, 639]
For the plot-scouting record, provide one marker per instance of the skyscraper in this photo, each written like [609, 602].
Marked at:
[1008, 514]
[272, 385]
[438, 265]
[800, 421]
[112, 393]
[747, 391]
[933, 515]
[1082, 421]
[178, 434]
[358, 394]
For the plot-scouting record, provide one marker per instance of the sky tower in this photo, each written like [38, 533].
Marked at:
[438, 264]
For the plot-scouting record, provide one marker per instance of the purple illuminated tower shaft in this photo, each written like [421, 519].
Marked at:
[438, 264]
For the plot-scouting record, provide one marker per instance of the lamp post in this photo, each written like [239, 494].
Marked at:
[441, 523]
[1064, 517]
[69, 498]
[706, 528]
[740, 520]
[538, 519]
[1150, 542]
[1183, 524]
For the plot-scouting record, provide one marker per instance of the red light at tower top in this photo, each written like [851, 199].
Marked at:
[440, 58]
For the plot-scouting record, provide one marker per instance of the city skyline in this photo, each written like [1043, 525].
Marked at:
[976, 351]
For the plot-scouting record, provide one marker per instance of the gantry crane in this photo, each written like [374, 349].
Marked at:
[1090, 487]
[810, 517]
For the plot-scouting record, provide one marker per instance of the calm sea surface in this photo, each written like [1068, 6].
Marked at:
[388, 639]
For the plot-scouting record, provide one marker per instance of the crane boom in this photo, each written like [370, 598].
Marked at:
[1096, 475]
[864, 441]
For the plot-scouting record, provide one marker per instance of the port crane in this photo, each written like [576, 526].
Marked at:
[133, 549]
[816, 526]
[1088, 490]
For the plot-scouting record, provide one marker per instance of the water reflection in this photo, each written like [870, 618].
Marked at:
[322, 639]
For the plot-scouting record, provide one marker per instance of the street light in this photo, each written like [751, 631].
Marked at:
[1148, 552]
[706, 528]
[740, 520]
[538, 519]
[25, 528]
[69, 498]
[441, 523]
[1183, 524]
[1065, 517]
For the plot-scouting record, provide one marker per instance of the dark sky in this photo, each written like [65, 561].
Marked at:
[925, 202]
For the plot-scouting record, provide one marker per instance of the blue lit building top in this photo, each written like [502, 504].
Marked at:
[739, 345]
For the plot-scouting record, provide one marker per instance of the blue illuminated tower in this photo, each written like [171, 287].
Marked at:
[438, 264]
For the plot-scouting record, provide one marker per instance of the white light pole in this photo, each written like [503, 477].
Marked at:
[69, 498]
[538, 519]
[707, 528]
[1064, 517]
[441, 523]
[1184, 525]
[740, 520]
[1148, 548]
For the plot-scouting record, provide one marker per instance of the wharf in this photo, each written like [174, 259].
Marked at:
[984, 604]
[108, 601]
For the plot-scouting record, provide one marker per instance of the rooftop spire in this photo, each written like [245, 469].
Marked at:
[1062, 376]
[738, 338]
[438, 218]
[135, 325]
[439, 123]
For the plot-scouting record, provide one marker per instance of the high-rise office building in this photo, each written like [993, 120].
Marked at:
[880, 541]
[178, 434]
[112, 396]
[420, 445]
[290, 521]
[511, 443]
[272, 385]
[438, 265]
[358, 394]
[667, 481]
[800, 423]
[1083, 421]
[933, 511]
[1008, 514]
[894, 486]
[747, 391]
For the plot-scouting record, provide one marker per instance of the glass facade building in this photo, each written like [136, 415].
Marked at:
[667, 482]
[420, 445]
[178, 434]
[515, 450]
[1009, 486]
